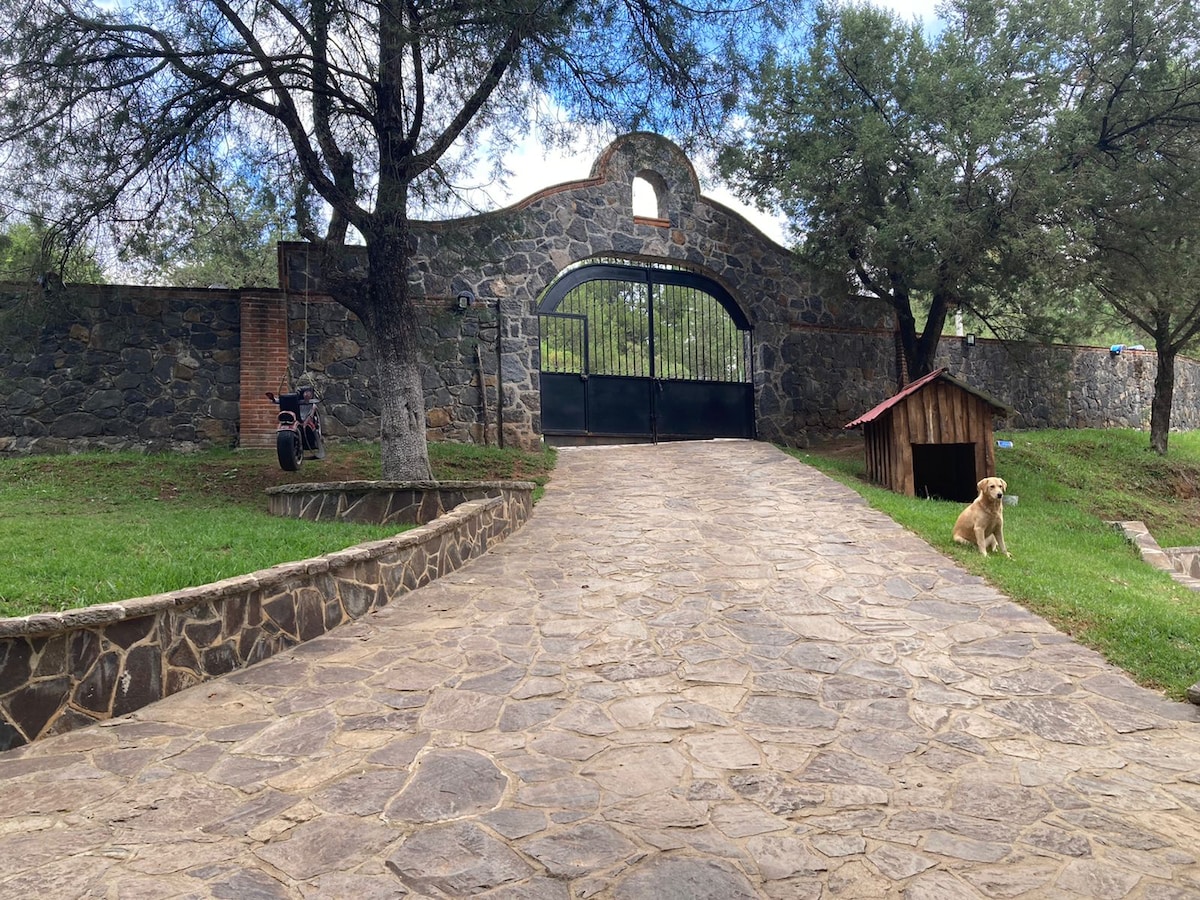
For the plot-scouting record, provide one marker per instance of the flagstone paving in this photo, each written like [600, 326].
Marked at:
[701, 670]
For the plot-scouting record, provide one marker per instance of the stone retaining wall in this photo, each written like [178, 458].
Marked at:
[1182, 563]
[1185, 560]
[377, 502]
[59, 671]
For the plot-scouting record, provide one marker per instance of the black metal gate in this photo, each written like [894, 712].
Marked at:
[631, 353]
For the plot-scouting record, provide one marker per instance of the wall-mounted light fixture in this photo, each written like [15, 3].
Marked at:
[464, 300]
[970, 340]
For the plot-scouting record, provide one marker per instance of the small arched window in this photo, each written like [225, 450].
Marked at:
[648, 188]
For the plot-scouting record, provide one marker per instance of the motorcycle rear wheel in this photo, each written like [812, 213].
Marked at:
[287, 448]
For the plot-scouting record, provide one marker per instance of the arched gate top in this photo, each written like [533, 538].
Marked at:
[641, 275]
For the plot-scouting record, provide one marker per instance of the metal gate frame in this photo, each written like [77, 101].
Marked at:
[588, 406]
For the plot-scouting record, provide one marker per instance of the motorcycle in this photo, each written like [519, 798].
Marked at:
[299, 430]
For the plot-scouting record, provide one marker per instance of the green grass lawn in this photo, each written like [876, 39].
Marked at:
[1068, 564]
[93, 528]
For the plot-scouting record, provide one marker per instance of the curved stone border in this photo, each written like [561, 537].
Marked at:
[1181, 563]
[59, 671]
[381, 502]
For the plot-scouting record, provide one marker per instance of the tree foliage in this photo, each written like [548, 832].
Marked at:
[1130, 132]
[222, 230]
[365, 106]
[914, 165]
[1026, 160]
[29, 254]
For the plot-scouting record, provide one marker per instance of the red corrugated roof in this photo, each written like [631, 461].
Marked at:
[914, 386]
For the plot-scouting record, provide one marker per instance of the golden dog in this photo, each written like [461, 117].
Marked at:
[982, 523]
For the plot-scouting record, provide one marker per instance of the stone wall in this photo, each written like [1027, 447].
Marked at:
[129, 367]
[1073, 387]
[820, 359]
[59, 671]
[816, 354]
[113, 366]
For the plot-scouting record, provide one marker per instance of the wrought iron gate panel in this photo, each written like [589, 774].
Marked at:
[619, 406]
[694, 409]
[644, 353]
[564, 362]
[695, 338]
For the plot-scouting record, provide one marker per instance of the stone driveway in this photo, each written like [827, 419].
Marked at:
[702, 670]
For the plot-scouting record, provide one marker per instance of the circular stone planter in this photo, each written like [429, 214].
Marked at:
[386, 502]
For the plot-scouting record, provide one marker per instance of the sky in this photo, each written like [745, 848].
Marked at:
[533, 167]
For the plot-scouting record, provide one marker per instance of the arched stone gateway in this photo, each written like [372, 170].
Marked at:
[793, 360]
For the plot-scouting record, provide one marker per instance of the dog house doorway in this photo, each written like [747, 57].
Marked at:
[945, 471]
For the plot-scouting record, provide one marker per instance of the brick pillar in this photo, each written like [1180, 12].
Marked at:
[264, 361]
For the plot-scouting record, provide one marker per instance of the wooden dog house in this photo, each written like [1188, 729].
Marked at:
[932, 439]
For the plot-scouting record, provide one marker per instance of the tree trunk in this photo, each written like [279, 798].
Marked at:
[392, 329]
[401, 412]
[931, 335]
[906, 324]
[1164, 394]
[920, 350]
